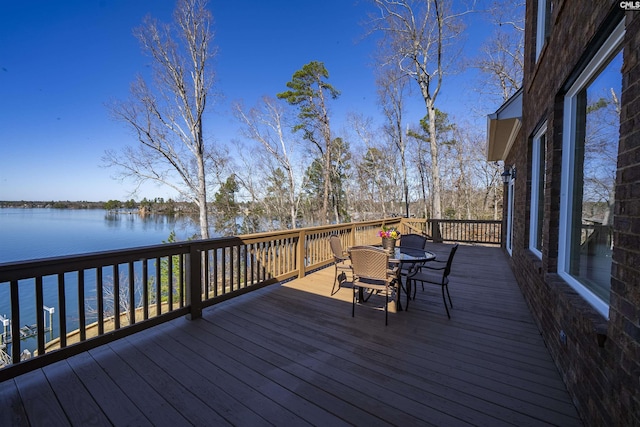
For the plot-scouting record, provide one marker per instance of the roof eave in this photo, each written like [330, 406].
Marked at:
[503, 127]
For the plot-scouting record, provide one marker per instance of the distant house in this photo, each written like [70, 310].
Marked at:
[570, 141]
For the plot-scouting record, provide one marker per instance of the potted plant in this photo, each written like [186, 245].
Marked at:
[389, 237]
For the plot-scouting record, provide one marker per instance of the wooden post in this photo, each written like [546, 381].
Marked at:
[302, 254]
[352, 235]
[437, 236]
[194, 286]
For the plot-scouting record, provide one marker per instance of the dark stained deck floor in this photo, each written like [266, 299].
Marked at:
[291, 355]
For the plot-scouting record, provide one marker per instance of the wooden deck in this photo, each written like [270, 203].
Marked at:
[292, 355]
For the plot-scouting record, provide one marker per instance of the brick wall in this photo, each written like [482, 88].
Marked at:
[602, 375]
[624, 324]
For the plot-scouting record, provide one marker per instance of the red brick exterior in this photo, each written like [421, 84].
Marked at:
[600, 360]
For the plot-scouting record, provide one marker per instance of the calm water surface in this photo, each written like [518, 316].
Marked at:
[40, 233]
[27, 234]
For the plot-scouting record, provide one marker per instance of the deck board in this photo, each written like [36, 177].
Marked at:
[79, 406]
[291, 354]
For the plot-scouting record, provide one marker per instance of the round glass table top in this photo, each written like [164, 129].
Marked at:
[412, 255]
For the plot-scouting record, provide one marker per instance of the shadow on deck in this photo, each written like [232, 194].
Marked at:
[292, 355]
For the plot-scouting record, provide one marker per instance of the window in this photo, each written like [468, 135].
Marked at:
[538, 167]
[590, 148]
[542, 24]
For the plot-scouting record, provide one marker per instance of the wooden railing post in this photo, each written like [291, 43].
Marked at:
[302, 253]
[435, 231]
[352, 235]
[194, 286]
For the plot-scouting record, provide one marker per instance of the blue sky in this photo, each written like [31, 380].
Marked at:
[62, 61]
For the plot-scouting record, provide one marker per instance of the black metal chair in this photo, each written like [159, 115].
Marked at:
[413, 241]
[341, 262]
[371, 272]
[437, 274]
[416, 241]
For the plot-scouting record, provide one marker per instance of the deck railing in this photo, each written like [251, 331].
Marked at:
[100, 297]
[96, 298]
[457, 230]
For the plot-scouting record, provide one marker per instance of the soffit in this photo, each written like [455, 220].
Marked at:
[503, 127]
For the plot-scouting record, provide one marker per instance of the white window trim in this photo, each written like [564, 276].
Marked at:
[535, 183]
[510, 194]
[541, 29]
[568, 159]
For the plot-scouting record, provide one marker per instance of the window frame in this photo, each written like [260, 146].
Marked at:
[510, 206]
[538, 159]
[542, 25]
[605, 53]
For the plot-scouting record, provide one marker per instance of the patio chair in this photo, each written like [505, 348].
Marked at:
[371, 273]
[437, 274]
[341, 262]
[416, 241]
[413, 241]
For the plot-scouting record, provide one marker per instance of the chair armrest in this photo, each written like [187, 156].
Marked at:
[426, 264]
[420, 267]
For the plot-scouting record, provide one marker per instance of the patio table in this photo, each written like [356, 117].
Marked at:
[400, 256]
[405, 255]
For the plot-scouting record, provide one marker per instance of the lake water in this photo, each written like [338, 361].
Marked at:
[41, 233]
[27, 234]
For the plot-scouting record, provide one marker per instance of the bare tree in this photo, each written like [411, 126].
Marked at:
[116, 299]
[392, 89]
[501, 59]
[415, 35]
[371, 168]
[168, 121]
[266, 124]
[600, 155]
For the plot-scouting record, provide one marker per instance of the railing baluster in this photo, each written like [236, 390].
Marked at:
[216, 282]
[170, 284]
[182, 276]
[40, 315]
[158, 287]
[100, 301]
[132, 295]
[15, 322]
[207, 273]
[62, 310]
[233, 265]
[245, 265]
[251, 257]
[145, 288]
[223, 263]
[243, 259]
[82, 320]
[116, 297]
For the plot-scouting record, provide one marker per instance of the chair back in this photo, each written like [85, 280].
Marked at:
[336, 247]
[369, 262]
[447, 269]
[413, 241]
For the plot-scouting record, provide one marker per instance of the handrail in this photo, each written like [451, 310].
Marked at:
[100, 297]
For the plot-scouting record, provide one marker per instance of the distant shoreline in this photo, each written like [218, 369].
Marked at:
[60, 204]
[143, 207]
